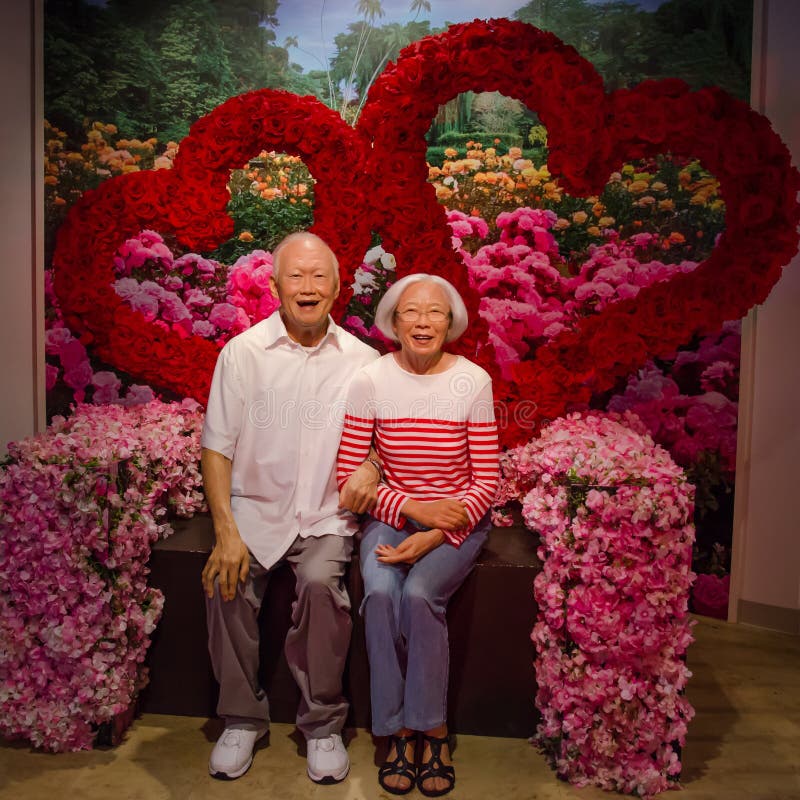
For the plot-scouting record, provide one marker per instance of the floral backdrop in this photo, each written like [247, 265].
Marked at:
[539, 259]
[613, 488]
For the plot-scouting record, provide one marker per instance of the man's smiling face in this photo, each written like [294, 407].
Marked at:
[307, 284]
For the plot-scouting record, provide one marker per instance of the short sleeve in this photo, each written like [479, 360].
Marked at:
[225, 408]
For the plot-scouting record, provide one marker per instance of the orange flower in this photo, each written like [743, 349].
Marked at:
[245, 236]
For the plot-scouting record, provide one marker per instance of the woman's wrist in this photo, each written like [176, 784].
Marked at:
[376, 465]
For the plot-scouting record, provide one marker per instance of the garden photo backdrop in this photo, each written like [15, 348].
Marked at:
[602, 479]
[110, 111]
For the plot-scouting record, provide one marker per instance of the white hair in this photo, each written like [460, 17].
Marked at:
[304, 236]
[384, 314]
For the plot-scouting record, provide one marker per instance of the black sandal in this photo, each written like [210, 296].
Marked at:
[434, 767]
[400, 765]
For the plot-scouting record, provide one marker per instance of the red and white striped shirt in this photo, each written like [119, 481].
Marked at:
[435, 434]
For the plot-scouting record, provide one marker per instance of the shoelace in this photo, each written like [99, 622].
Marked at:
[326, 744]
[232, 739]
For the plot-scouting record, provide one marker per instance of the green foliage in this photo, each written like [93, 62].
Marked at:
[152, 67]
[486, 138]
[537, 136]
[704, 42]
[196, 72]
[268, 221]
[363, 52]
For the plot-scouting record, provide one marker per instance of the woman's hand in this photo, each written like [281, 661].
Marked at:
[447, 514]
[412, 548]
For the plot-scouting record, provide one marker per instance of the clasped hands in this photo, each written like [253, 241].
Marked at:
[436, 515]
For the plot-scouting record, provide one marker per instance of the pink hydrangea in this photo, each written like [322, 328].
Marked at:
[81, 505]
[613, 513]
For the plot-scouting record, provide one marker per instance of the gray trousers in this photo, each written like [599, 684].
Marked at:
[316, 644]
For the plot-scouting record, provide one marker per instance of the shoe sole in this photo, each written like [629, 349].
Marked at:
[230, 776]
[328, 779]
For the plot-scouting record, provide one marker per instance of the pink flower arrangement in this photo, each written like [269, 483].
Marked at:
[80, 507]
[613, 512]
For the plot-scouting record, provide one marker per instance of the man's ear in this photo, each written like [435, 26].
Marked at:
[273, 287]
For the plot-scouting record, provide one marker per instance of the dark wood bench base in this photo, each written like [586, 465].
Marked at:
[492, 682]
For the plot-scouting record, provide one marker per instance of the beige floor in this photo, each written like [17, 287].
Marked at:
[744, 744]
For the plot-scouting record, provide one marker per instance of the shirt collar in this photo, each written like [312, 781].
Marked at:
[275, 332]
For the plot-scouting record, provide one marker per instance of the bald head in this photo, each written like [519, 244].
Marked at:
[297, 242]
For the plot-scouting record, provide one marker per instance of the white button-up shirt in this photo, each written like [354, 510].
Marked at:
[276, 409]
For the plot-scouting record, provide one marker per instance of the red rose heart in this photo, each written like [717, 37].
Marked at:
[189, 202]
[590, 134]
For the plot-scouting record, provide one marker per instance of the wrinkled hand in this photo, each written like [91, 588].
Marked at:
[447, 514]
[229, 562]
[411, 549]
[360, 492]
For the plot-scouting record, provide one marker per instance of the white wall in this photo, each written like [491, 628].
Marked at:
[21, 313]
[766, 568]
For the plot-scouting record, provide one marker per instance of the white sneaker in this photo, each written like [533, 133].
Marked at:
[233, 753]
[328, 761]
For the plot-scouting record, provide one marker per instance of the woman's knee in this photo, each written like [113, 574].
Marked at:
[418, 598]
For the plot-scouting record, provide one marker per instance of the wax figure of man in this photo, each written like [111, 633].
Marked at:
[270, 440]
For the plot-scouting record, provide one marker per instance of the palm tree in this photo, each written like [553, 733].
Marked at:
[369, 9]
[419, 5]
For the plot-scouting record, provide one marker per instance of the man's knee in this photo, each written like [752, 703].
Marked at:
[319, 576]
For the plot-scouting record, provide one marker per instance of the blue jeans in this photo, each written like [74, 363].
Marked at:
[406, 628]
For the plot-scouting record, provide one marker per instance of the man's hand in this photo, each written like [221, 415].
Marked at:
[360, 492]
[230, 562]
[447, 514]
[411, 549]
[230, 558]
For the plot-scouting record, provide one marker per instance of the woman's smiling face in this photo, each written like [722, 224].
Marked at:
[421, 319]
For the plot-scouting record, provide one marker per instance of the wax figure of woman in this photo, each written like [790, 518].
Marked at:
[431, 416]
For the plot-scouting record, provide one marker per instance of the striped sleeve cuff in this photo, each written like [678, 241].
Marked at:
[387, 507]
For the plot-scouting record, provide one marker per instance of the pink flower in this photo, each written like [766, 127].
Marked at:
[79, 376]
[223, 315]
[710, 595]
[51, 376]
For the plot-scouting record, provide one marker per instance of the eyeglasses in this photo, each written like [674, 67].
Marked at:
[412, 315]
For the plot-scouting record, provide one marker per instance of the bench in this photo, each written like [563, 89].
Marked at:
[492, 682]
